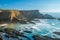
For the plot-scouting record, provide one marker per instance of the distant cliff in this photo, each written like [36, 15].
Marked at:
[23, 14]
[32, 14]
[47, 16]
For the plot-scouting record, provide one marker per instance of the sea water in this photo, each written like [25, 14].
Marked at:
[44, 27]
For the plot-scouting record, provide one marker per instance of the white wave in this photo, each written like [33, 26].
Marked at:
[45, 26]
[3, 25]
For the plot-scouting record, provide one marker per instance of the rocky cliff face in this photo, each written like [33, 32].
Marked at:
[22, 14]
[4, 15]
[32, 14]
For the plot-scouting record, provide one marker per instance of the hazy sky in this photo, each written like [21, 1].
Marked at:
[42, 5]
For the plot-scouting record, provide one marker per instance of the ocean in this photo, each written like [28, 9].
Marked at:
[42, 27]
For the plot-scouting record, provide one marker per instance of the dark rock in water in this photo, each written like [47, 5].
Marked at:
[49, 38]
[1, 29]
[7, 36]
[23, 22]
[36, 20]
[1, 38]
[11, 31]
[58, 33]
[28, 31]
[14, 33]
[37, 37]
[44, 38]
[31, 22]
[20, 21]
[58, 18]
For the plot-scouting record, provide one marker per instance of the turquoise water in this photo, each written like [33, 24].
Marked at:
[43, 27]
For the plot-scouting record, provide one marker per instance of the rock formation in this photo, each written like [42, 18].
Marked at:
[47, 16]
[23, 15]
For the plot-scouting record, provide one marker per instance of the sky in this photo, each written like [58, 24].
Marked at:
[41, 5]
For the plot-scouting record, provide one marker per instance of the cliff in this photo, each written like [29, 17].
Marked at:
[22, 15]
[32, 14]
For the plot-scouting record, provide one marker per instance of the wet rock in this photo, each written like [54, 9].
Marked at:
[31, 22]
[58, 33]
[14, 33]
[7, 36]
[50, 38]
[2, 29]
[37, 37]
[43, 38]
[28, 31]
[1, 38]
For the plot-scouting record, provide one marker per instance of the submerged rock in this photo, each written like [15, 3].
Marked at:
[28, 31]
[58, 33]
[37, 37]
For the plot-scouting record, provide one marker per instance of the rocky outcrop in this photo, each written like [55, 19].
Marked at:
[58, 33]
[47, 16]
[12, 33]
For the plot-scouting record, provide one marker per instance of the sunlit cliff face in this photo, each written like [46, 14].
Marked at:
[14, 14]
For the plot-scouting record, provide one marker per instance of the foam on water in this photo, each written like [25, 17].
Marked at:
[46, 27]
